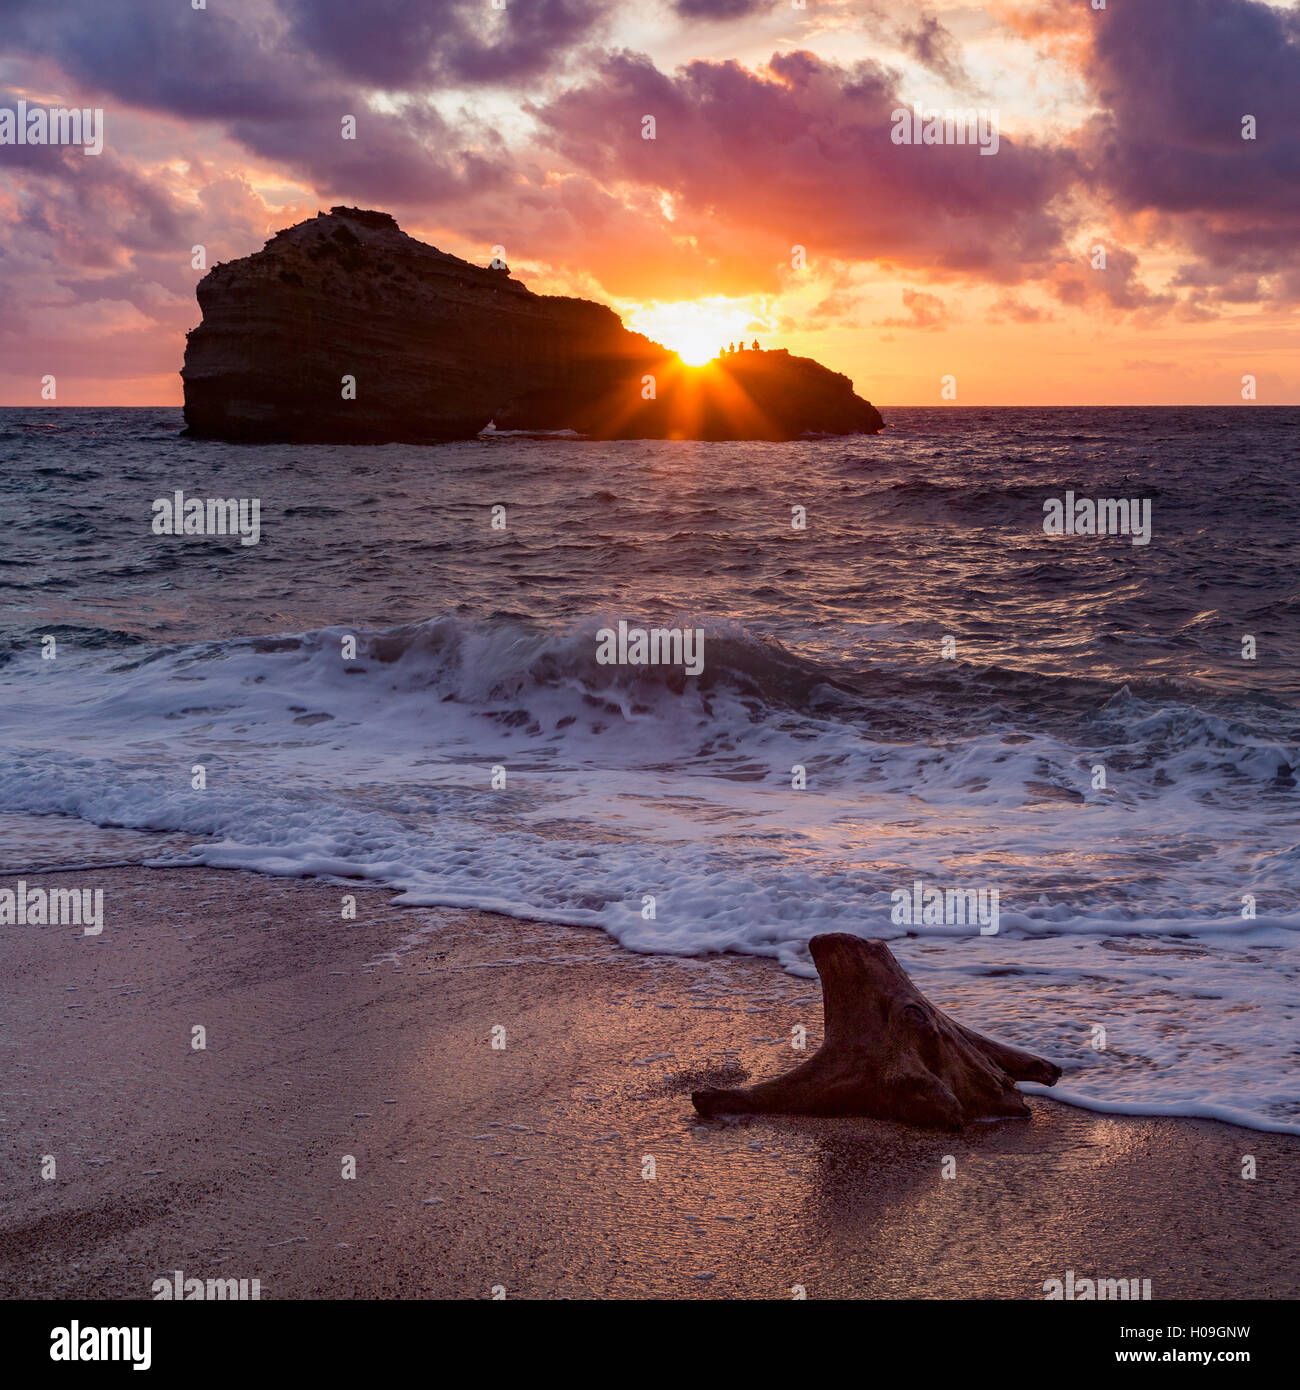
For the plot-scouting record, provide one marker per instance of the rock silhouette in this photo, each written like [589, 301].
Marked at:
[436, 349]
[888, 1053]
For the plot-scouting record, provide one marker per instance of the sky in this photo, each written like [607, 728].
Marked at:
[1127, 243]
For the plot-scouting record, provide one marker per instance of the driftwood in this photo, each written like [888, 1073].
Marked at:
[888, 1053]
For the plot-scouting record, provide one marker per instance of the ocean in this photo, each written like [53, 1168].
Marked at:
[915, 686]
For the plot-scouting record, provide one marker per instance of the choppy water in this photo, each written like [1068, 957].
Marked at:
[1119, 907]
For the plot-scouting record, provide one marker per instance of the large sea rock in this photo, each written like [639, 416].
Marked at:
[439, 348]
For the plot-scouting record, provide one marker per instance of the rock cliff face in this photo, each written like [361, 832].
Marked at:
[438, 348]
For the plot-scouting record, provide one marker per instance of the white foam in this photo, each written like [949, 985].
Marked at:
[620, 786]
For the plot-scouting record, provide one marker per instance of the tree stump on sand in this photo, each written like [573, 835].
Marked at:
[888, 1053]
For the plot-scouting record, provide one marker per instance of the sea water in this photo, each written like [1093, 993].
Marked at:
[906, 679]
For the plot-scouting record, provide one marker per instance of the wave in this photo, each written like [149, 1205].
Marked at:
[943, 733]
[499, 765]
[554, 678]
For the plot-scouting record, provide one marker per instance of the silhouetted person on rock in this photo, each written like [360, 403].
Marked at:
[732, 348]
[754, 347]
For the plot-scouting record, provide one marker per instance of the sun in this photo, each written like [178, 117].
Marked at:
[696, 330]
[696, 346]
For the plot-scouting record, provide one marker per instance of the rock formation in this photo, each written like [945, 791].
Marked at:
[438, 348]
[888, 1053]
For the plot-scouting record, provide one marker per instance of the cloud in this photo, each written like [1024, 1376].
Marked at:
[719, 9]
[404, 43]
[206, 108]
[273, 58]
[923, 38]
[1175, 80]
[800, 153]
[934, 48]
[1011, 308]
[280, 75]
[1080, 284]
[97, 280]
[924, 311]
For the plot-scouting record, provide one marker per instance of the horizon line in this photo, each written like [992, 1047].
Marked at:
[947, 405]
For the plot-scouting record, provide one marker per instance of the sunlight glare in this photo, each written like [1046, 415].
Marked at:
[695, 330]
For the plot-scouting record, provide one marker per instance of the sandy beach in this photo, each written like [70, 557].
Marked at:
[523, 1168]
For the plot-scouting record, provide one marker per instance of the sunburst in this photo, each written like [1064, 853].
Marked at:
[696, 330]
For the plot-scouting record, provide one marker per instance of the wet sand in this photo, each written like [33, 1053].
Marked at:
[524, 1167]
